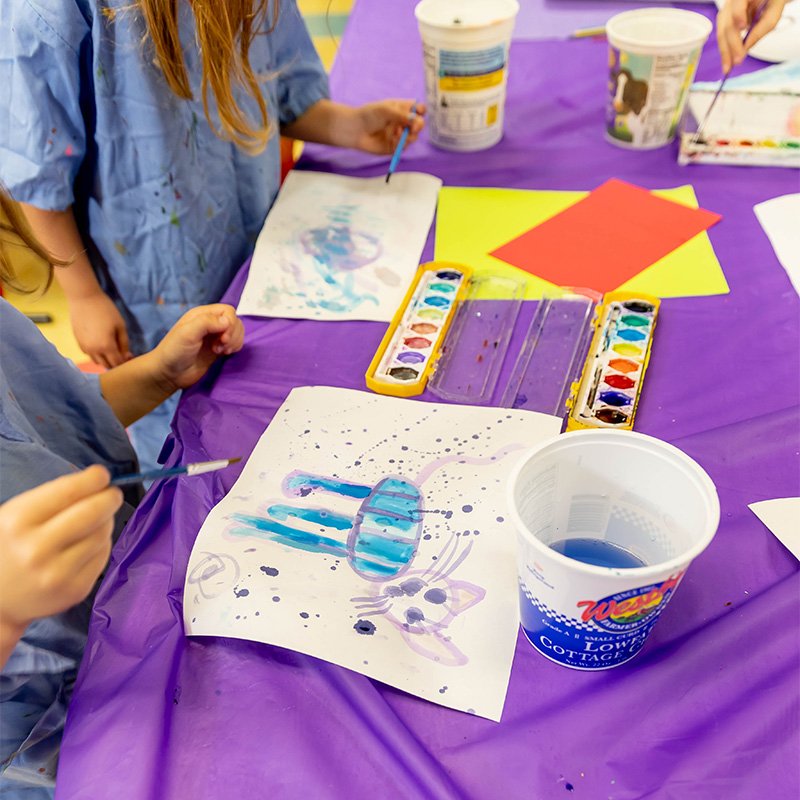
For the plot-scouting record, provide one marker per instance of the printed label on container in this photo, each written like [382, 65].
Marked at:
[602, 633]
[466, 93]
[646, 95]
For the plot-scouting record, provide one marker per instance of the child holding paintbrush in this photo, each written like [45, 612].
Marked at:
[61, 432]
[143, 140]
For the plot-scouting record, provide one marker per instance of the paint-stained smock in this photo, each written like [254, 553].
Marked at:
[168, 210]
[52, 420]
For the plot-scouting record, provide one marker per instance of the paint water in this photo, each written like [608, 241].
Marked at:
[597, 552]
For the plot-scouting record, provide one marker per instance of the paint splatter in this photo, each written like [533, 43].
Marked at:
[241, 592]
[365, 627]
[271, 571]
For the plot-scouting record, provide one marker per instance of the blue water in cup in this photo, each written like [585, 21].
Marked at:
[599, 552]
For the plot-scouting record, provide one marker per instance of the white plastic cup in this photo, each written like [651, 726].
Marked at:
[624, 488]
[653, 55]
[465, 46]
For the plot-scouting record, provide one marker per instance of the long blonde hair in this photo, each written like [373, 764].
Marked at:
[15, 233]
[225, 31]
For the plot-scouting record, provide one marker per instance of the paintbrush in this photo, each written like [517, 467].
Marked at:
[701, 126]
[198, 468]
[398, 151]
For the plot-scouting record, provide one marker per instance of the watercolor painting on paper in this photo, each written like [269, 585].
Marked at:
[335, 247]
[372, 532]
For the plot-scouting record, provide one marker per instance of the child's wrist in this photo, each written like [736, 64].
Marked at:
[158, 374]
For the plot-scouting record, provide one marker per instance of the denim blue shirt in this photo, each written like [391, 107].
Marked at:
[53, 420]
[168, 211]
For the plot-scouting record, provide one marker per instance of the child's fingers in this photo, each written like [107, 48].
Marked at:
[93, 549]
[82, 519]
[45, 501]
[231, 339]
[769, 19]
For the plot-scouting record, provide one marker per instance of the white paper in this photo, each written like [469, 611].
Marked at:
[432, 606]
[782, 517]
[335, 247]
[779, 218]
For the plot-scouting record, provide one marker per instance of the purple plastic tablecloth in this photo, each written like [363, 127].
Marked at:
[709, 709]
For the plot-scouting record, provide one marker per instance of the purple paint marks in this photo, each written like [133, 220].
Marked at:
[365, 627]
[410, 357]
[276, 599]
[271, 571]
[466, 509]
[241, 592]
[304, 614]
[435, 596]
[340, 247]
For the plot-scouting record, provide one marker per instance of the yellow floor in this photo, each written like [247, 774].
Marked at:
[325, 20]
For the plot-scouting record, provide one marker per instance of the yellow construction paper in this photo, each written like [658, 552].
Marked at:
[471, 222]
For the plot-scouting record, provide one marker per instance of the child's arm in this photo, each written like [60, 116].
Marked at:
[96, 321]
[55, 541]
[373, 127]
[180, 359]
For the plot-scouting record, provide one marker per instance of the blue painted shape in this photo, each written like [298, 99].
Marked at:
[383, 534]
[372, 571]
[302, 540]
[296, 483]
[383, 549]
[318, 516]
[437, 300]
[392, 513]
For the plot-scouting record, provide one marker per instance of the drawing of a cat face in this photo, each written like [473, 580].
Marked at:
[422, 605]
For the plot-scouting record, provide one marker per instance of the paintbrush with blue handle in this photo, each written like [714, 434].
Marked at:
[398, 151]
[198, 468]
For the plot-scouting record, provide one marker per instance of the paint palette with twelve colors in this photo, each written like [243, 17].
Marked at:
[611, 383]
[408, 352]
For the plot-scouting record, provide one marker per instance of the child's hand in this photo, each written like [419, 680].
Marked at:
[378, 126]
[734, 18]
[195, 342]
[100, 330]
[55, 540]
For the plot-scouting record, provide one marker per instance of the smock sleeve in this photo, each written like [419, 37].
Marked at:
[302, 80]
[42, 131]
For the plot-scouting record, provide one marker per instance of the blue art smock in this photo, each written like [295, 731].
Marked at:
[167, 209]
[53, 420]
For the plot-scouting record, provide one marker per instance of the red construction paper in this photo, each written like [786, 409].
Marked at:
[607, 238]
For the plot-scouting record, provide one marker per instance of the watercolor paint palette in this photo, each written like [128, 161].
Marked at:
[755, 122]
[412, 344]
[608, 393]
